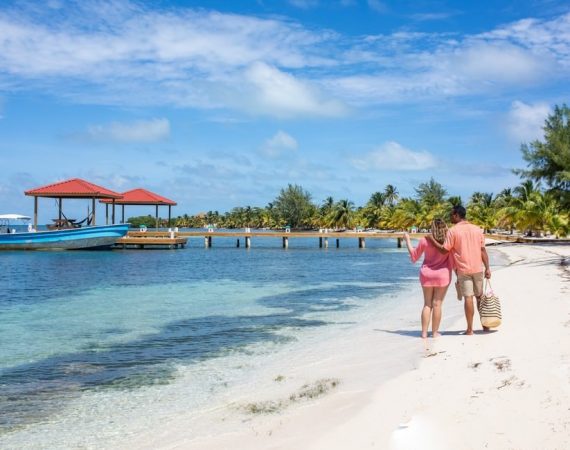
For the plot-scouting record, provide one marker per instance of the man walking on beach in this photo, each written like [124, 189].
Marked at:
[466, 243]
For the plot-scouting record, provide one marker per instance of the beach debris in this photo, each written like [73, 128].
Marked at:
[267, 407]
[475, 365]
[306, 392]
[429, 355]
[279, 378]
[314, 390]
[502, 365]
[512, 381]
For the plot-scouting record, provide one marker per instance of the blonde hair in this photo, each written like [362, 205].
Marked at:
[439, 230]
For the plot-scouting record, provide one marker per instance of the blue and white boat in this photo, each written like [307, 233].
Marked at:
[65, 239]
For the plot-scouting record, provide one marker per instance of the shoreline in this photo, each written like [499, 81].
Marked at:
[504, 389]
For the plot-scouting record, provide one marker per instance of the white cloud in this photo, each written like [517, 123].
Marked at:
[278, 93]
[140, 131]
[281, 143]
[525, 121]
[393, 156]
[424, 17]
[500, 63]
[378, 6]
[124, 53]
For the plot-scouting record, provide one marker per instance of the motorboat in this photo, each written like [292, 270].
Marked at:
[12, 237]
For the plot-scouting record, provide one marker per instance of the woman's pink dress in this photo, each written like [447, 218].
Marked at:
[436, 268]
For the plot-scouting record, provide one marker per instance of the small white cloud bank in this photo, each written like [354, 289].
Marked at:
[140, 131]
[281, 143]
[393, 156]
[281, 94]
[525, 122]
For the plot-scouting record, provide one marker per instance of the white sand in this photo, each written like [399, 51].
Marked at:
[509, 389]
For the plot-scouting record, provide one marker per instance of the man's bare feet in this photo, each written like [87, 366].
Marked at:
[436, 334]
[468, 332]
[424, 334]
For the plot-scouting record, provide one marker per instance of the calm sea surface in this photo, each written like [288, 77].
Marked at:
[74, 325]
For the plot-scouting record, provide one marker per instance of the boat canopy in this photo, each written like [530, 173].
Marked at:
[14, 217]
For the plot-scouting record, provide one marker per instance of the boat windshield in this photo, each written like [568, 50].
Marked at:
[11, 223]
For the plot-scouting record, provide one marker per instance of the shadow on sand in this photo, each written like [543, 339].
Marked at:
[417, 333]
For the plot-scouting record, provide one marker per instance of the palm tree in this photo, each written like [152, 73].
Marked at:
[391, 194]
[431, 193]
[405, 214]
[342, 214]
[455, 200]
[481, 210]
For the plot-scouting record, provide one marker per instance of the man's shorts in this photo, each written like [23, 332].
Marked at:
[470, 284]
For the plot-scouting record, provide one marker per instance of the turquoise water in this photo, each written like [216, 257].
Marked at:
[77, 323]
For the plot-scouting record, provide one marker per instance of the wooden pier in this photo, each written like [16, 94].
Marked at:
[153, 239]
[323, 238]
[148, 241]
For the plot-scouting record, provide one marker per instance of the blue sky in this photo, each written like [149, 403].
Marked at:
[220, 104]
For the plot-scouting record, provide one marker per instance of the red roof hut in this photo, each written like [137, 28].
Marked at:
[141, 197]
[73, 188]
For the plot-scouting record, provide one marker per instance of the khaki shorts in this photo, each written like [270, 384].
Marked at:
[470, 284]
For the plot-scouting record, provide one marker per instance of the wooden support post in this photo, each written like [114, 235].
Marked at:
[59, 217]
[106, 213]
[337, 243]
[113, 213]
[399, 242]
[169, 214]
[326, 242]
[93, 223]
[207, 241]
[123, 214]
[320, 242]
[361, 242]
[237, 243]
[35, 213]
[156, 217]
[285, 242]
[247, 241]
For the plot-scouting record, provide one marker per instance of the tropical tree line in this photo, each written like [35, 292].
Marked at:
[539, 205]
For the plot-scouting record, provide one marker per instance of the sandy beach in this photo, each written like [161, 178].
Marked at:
[507, 389]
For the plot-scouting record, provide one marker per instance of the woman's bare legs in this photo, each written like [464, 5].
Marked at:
[426, 311]
[438, 296]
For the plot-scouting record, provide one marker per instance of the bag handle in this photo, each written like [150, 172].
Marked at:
[488, 285]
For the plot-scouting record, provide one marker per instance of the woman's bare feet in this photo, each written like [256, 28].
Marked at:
[468, 332]
[424, 335]
[436, 334]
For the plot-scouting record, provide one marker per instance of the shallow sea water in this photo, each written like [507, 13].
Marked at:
[91, 339]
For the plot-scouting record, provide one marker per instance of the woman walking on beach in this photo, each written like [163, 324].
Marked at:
[435, 275]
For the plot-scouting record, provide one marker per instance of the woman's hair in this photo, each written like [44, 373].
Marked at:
[439, 230]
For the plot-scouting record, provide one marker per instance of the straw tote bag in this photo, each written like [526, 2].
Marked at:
[490, 307]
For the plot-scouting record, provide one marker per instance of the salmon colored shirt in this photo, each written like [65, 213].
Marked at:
[464, 241]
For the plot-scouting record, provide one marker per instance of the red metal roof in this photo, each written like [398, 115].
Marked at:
[141, 197]
[73, 188]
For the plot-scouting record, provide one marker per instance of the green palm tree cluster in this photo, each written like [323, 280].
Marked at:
[526, 208]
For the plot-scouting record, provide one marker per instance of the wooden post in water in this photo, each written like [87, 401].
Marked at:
[247, 241]
[285, 242]
[237, 243]
[35, 213]
[326, 242]
[399, 242]
[207, 241]
[361, 242]
[337, 243]
[320, 242]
